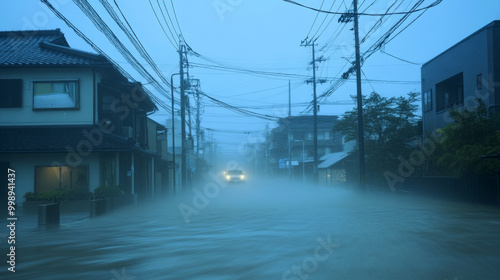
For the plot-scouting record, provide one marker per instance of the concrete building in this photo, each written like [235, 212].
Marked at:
[455, 78]
[301, 144]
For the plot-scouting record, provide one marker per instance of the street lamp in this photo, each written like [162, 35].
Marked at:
[303, 160]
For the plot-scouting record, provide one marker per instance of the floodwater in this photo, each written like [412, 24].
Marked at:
[263, 230]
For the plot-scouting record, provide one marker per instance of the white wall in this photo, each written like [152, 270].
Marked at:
[26, 115]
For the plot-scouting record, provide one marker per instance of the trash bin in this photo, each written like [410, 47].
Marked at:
[97, 207]
[48, 214]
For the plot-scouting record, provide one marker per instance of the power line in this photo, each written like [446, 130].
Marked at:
[239, 110]
[99, 50]
[161, 25]
[379, 44]
[134, 39]
[254, 72]
[91, 14]
[164, 19]
[398, 58]
[437, 2]
[315, 18]
[177, 21]
[328, 24]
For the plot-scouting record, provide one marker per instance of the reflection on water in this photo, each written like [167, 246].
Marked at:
[270, 231]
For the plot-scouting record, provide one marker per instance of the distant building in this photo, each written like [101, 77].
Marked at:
[69, 119]
[454, 78]
[301, 144]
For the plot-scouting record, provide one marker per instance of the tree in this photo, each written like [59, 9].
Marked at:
[470, 136]
[390, 126]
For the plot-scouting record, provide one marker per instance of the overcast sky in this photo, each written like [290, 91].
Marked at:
[266, 35]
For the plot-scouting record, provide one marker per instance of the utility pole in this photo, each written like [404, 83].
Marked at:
[289, 131]
[361, 138]
[347, 17]
[312, 43]
[198, 132]
[174, 168]
[182, 52]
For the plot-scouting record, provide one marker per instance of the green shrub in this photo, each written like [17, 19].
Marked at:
[30, 196]
[78, 193]
[104, 192]
[52, 195]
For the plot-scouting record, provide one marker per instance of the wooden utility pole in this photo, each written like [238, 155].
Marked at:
[312, 43]
[359, 96]
[183, 116]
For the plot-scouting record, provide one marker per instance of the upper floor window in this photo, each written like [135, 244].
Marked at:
[479, 81]
[11, 93]
[450, 93]
[428, 100]
[56, 95]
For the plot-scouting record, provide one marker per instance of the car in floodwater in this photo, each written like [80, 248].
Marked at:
[235, 176]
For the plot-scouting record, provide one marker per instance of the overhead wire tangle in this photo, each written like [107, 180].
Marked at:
[255, 72]
[99, 50]
[166, 22]
[380, 21]
[176, 20]
[328, 24]
[170, 19]
[222, 66]
[315, 18]
[379, 44]
[240, 110]
[89, 11]
[134, 39]
[437, 2]
[176, 45]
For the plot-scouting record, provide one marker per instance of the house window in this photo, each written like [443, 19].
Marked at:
[450, 93]
[11, 93]
[55, 95]
[428, 100]
[321, 136]
[53, 177]
[479, 81]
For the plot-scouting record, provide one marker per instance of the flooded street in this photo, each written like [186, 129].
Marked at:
[268, 231]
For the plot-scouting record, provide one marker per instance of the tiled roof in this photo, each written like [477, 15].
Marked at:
[60, 139]
[43, 48]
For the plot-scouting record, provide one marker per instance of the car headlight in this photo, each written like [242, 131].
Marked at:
[242, 177]
[228, 177]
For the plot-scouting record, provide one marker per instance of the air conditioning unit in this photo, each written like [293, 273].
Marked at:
[127, 132]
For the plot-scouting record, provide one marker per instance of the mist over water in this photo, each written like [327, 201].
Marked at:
[266, 229]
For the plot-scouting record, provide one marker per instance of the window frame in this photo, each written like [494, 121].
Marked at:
[16, 99]
[60, 184]
[479, 81]
[77, 94]
[427, 100]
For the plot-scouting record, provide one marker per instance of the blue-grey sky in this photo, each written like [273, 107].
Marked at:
[265, 35]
